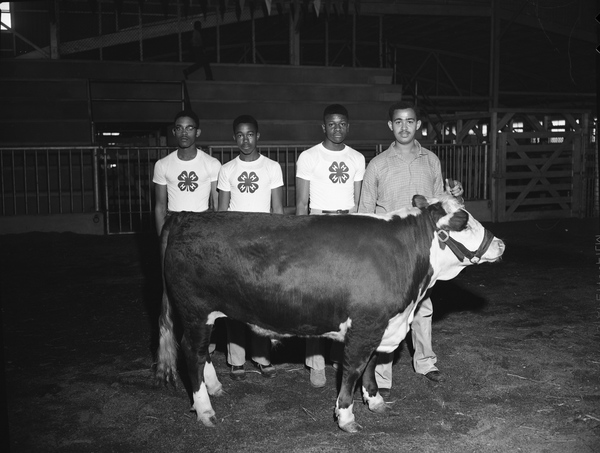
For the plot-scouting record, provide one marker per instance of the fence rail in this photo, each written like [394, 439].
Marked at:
[118, 180]
[49, 180]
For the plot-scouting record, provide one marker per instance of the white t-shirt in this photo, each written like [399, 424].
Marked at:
[332, 175]
[188, 181]
[250, 183]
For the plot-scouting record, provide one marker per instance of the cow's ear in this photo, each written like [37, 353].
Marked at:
[419, 201]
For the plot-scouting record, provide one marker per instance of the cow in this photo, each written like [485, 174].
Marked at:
[354, 278]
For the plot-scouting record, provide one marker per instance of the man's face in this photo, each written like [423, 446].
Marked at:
[246, 137]
[336, 128]
[404, 126]
[186, 131]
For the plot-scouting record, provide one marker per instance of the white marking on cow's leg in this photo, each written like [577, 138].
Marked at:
[375, 403]
[345, 418]
[213, 385]
[203, 408]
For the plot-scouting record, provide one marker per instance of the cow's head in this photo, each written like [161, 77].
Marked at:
[460, 240]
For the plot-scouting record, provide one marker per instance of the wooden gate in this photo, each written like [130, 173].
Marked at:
[540, 164]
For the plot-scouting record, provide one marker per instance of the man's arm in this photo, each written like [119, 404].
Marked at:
[302, 192]
[277, 200]
[357, 189]
[160, 206]
[214, 196]
[368, 193]
[224, 197]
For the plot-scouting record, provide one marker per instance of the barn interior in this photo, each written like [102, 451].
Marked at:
[507, 91]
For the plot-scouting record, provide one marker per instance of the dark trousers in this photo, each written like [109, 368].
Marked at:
[200, 61]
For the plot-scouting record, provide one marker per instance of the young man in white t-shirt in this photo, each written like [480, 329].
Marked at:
[186, 179]
[328, 181]
[251, 183]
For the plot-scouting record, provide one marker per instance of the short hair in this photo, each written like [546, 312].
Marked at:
[190, 114]
[245, 119]
[335, 109]
[402, 105]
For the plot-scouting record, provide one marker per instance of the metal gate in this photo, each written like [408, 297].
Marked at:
[540, 166]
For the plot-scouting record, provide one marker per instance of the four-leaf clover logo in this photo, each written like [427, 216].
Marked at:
[187, 182]
[339, 172]
[248, 182]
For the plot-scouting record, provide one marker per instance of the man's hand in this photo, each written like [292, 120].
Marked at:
[454, 188]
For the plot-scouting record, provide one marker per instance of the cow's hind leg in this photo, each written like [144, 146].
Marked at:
[195, 347]
[370, 391]
[166, 358]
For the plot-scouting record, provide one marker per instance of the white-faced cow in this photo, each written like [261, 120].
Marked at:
[353, 278]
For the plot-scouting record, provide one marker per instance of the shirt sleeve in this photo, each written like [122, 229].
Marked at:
[304, 166]
[223, 183]
[215, 166]
[360, 168]
[368, 194]
[276, 175]
[159, 173]
[438, 180]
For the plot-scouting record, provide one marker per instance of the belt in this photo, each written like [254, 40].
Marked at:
[339, 211]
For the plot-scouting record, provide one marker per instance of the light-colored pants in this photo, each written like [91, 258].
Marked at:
[424, 358]
[236, 345]
[315, 351]
[315, 348]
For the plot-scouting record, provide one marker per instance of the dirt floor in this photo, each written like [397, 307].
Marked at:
[518, 341]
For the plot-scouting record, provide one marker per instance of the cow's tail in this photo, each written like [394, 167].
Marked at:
[166, 357]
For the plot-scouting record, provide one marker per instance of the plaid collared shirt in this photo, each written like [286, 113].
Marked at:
[391, 180]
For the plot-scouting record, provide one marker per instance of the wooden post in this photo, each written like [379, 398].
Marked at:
[494, 162]
[100, 30]
[179, 43]
[381, 41]
[326, 43]
[499, 177]
[578, 156]
[498, 207]
[218, 37]
[294, 41]
[253, 39]
[54, 30]
[354, 39]
[141, 32]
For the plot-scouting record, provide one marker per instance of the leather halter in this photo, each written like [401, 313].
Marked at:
[460, 251]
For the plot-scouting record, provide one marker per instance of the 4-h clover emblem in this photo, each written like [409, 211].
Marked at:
[339, 172]
[187, 182]
[248, 182]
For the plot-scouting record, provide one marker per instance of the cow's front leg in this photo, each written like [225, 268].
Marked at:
[344, 404]
[370, 391]
[356, 357]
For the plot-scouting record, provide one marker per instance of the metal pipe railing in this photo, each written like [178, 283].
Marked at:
[118, 180]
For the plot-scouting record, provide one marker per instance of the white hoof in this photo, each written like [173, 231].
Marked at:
[351, 427]
[375, 403]
[378, 407]
[207, 418]
[216, 391]
[345, 419]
